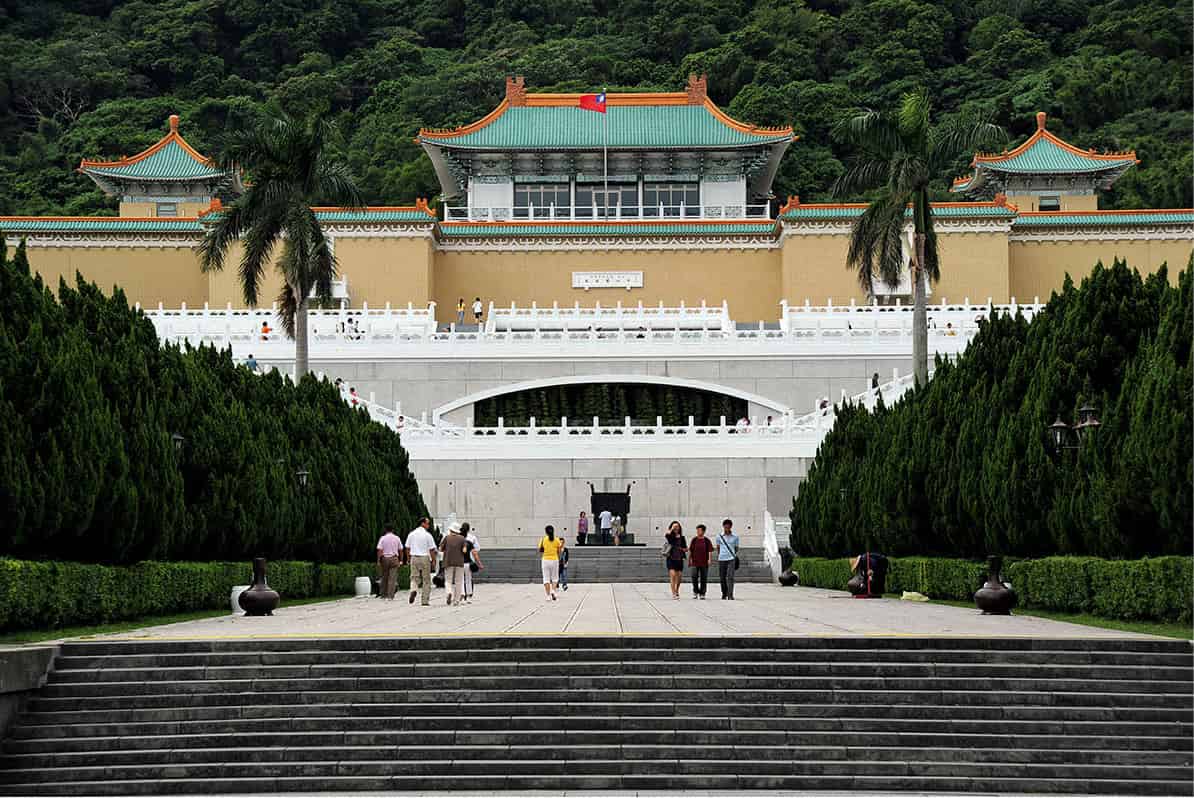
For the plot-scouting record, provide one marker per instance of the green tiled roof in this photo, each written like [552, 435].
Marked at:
[375, 215]
[1106, 218]
[942, 211]
[98, 224]
[1048, 154]
[604, 229]
[627, 126]
[171, 162]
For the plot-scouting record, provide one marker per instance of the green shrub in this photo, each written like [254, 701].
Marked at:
[1158, 589]
[50, 595]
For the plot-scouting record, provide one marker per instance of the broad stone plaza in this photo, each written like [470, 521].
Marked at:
[656, 332]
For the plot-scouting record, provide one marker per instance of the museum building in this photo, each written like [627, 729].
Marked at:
[660, 198]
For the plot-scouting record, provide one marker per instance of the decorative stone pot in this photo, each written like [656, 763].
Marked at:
[789, 578]
[994, 597]
[362, 587]
[259, 599]
[235, 596]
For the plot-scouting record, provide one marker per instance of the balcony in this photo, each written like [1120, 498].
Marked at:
[474, 213]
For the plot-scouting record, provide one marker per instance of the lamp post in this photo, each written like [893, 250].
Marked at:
[1059, 432]
[303, 475]
[178, 441]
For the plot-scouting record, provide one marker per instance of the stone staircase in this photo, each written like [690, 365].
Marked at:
[517, 714]
[607, 564]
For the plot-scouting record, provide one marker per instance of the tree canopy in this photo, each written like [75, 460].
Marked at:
[99, 78]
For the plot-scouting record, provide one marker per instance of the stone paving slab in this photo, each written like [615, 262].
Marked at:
[626, 609]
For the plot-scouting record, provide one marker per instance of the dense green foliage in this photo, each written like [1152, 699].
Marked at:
[611, 403]
[99, 78]
[1160, 588]
[50, 595]
[89, 402]
[961, 467]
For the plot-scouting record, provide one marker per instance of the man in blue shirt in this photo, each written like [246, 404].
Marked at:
[727, 558]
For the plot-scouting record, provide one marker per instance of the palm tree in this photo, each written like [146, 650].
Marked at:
[292, 165]
[899, 154]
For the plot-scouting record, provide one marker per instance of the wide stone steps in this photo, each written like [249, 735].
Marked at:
[470, 714]
[608, 564]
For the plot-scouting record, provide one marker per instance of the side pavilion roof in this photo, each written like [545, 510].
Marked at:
[171, 159]
[1043, 154]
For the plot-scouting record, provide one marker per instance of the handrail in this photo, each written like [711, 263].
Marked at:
[771, 546]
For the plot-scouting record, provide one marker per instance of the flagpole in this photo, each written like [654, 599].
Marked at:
[605, 153]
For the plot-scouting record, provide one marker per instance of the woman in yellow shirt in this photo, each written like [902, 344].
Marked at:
[549, 551]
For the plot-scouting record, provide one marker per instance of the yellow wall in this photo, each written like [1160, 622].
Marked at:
[974, 266]
[1039, 268]
[1069, 202]
[395, 270]
[148, 275]
[748, 279]
[147, 210]
[814, 268]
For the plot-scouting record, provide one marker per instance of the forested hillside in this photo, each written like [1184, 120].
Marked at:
[96, 77]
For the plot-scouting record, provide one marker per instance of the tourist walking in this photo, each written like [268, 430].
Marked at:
[699, 550]
[549, 553]
[582, 529]
[421, 555]
[472, 559]
[617, 529]
[389, 557]
[477, 311]
[563, 563]
[727, 559]
[676, 548]
[460, 311]
[251, 362]
[605, 520]
[454, 546]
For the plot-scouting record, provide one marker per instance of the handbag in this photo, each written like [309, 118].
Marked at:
[666, 550]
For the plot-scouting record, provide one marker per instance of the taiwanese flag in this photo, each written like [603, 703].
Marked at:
[593, 102]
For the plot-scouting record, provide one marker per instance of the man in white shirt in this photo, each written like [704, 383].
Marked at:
[605, 520]
[477, 310]
[421, 554]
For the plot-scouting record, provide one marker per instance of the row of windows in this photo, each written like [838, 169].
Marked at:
[618, 199]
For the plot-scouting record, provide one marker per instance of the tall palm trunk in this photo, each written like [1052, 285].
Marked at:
[920, 330]
[301, 365]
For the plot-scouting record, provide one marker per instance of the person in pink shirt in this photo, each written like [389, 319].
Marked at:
[389, 557]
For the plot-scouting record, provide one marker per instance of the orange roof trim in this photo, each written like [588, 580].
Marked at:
[1000, 201]
[173, 135]
[1116, 212]
[98, 218]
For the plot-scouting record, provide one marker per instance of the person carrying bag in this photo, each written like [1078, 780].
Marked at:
[727, 558]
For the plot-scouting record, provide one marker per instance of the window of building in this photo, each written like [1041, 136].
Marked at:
[1049, 202]
[671, 197]
[542, 196]
[595, 199]
[167, 209]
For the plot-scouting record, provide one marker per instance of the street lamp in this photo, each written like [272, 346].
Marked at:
[1059, 431]
[178, 441]
[302, 475]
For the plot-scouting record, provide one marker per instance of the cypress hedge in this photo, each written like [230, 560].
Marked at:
[89, 402]
[1157, 588]
[50, 595]
[961, 466]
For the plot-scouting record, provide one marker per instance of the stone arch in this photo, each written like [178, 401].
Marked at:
[777, 408]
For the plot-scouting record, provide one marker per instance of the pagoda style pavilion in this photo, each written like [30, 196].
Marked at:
[649, 155]
[1046, 174]
[169, 179]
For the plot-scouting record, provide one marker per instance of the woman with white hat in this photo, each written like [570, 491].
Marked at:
[454, 548]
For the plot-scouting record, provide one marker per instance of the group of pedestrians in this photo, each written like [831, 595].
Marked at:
[458, 553]
[699, 553]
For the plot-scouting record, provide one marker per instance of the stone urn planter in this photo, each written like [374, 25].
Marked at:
[994, 597]
[259, 599]
[363, 587]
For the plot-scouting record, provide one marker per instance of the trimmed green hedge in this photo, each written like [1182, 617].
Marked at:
[1158, 588]
[49, 595]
